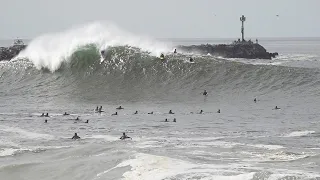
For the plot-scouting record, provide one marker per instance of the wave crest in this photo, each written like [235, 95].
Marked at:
[51, 50]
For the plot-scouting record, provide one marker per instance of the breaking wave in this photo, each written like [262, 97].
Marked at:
[51, 50]
[70, 63]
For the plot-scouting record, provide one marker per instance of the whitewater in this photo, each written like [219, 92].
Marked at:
[100, 64]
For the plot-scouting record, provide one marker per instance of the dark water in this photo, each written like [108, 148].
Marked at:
[247, 140]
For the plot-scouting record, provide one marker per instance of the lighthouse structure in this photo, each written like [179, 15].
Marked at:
[242, 19]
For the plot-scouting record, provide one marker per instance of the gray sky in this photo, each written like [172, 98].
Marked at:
[165, 18]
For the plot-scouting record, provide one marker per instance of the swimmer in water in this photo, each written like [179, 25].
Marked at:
[166, 120]
[87, 121]
[75, 136]
[218, 111]
[119, 108]
[150, 112]
[66, 114]
[170, 112]
[174, 120]
[205, 93]
[124, 136]
[45, 121]
[191, 59]
[114, 114]
[201, 111]
[255, 100]
[77, 119]
[136, 112]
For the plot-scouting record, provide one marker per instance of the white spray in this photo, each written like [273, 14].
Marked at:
[50, 50]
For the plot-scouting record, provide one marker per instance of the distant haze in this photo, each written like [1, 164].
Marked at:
[165, 18]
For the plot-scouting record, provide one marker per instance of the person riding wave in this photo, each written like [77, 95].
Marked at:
[162, 56]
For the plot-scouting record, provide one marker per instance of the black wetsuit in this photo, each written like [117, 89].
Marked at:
[75, 137]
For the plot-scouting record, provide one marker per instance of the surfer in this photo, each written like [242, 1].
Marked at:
[87, 121]
[201, 111]
[47, 115]
[119, 108]
[124, 136]
[114, 114]
[191, 59]
[174, 120]
[136, 112]
[150, 112]
[97, 109]
[75, 136]
[205, 93]
[100, 109]
[42, 115]
[277, 107]
[170, 112]
[175, 51]
[218, 111]
[66, 114]
[166, 120]
[77, 119]
[162, 56]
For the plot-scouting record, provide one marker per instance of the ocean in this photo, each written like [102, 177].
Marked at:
[65, 72]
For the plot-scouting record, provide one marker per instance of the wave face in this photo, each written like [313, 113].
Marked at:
[69, 64]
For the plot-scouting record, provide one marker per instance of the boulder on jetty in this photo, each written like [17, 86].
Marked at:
[7, 53]
[243, 49]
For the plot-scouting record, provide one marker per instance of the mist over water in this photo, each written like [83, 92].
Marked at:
[65, 72]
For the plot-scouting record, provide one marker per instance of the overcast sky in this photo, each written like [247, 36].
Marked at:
[165, 18]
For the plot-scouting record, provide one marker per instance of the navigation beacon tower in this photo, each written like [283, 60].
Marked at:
[242, 19]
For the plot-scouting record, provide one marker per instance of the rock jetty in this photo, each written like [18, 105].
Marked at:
[238, 49]
[7, 53]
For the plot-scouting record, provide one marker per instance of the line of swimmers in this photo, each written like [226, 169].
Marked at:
[205, 93]
[47, 114]
[123, 137]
